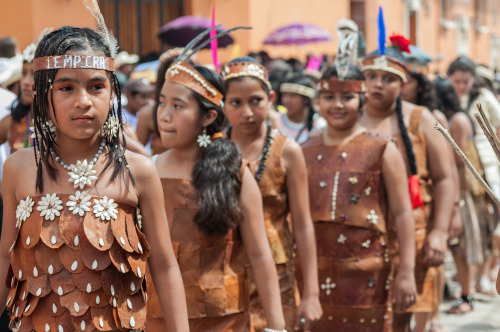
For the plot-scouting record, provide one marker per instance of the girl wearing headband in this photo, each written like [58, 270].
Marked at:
[301, 119]
[354, 184]
[213, 205]
[73, 241]
[427, 161]
[277, 163]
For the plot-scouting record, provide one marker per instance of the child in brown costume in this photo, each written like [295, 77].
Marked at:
[277, 164]
[354, 183]
[75, 247]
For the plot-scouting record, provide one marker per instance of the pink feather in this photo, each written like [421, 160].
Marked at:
[214, 44]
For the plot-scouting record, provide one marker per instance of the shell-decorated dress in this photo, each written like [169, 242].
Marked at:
[349, 211]
[78, 264]
[279, 234]
[212, 268]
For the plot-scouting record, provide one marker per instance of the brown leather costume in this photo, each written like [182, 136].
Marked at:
[276, 210]
[425, 277]
[212, 268]
[78, 273]
[348, 208]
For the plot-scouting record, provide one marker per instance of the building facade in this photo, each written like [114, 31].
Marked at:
[443, 28]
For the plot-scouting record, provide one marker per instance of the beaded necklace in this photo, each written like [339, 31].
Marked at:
[82, 174]
[265, 152]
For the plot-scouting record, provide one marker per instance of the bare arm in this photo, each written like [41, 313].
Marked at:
[144, 124]
[162, 262]
[5, 128]
[442, 179]
[257, 248]
[298, 196]
[133, 144]
[399, 203]
[9, 230]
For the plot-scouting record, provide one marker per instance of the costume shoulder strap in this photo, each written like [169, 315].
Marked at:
[415, 119]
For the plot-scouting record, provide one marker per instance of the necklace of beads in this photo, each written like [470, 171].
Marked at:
[82, 174]
[265, 153]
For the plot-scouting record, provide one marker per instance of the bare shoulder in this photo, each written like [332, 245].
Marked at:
[146, 113]
[22, 160]
[292, 154]
[461, 121]
[141, 167]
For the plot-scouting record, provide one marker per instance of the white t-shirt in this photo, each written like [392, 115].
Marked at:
[6, 100]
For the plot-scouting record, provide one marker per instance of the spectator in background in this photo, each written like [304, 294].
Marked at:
[124, 64]
[139, 93]
[8, 47]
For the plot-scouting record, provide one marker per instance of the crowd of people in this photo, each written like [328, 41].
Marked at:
[264, 195]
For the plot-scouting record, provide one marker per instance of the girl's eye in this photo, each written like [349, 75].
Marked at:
[66, 88]
[256, 100]
[234, 103]
[161, 104]
[347, 97]
[98, 87]
[177, 107]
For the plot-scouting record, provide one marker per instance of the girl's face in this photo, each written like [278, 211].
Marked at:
[294, 103]
[27, 79]
[339, 109]
[383, 88]
[179, 120]
[246, 104]
[81, 100]
[410, 90]
[462, 82]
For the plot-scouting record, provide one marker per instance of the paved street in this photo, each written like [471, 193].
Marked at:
[484, 317]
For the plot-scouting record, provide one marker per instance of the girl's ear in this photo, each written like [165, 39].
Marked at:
[209, 118]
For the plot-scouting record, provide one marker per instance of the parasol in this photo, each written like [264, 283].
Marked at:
[298, 34]
[179, 32]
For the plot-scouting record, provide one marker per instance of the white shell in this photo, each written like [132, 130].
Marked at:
[129, 304]
[132, 321]
[94, 264]
[83, 326]
[39, 292]
[28, 241]
[89, 288]
[51, 269]
[35, 271]
[53, 240]
[76, 307]
[74, 266]
[77, 240]
[54, 308]
[97, 299]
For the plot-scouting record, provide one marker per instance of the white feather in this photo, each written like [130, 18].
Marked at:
[93, 7]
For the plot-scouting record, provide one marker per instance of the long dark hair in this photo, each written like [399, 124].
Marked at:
[217, 173]
[353, 73]
[406, 138]
[60, 42]
[466, 65]
[426, 95]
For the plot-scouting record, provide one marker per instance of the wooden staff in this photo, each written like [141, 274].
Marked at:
[488, 130]
[457, 149]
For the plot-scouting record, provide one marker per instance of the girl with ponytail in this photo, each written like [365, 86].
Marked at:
[427, 159]
[214, 208]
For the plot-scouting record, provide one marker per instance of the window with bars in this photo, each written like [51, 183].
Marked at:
[135, 23]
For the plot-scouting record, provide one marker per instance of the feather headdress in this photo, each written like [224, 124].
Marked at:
[106, 34]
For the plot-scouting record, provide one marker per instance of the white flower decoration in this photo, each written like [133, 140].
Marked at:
[204, 140]
[79, 203]
[49, 206]
[29, 52]
[82, 174]
[111, 128]
[23, 210]
[49, 125]
[105, 208]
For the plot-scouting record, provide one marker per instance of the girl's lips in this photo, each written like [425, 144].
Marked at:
[377, 95]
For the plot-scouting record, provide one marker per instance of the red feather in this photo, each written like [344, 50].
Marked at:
[414, 186]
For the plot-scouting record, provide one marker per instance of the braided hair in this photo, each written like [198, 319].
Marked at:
[67, 40]
[406, 138]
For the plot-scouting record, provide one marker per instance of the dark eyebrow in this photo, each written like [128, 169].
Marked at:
[72, 80]
[180, 99]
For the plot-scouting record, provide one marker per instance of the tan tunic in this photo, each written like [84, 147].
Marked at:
[212, 268]
[425, 277]
[276, 211]
[348, 208]
[77, 273]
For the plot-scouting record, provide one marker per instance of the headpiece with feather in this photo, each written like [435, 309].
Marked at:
[84, 61]
[183, 73]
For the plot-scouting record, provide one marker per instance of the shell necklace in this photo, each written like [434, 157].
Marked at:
[82, 174]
